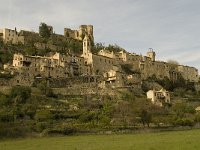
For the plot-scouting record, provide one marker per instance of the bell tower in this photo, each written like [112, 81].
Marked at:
[86, 45]
[151, 54]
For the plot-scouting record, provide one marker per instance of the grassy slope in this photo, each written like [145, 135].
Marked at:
[177, 140]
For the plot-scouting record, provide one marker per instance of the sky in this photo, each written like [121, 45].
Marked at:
[170, 27]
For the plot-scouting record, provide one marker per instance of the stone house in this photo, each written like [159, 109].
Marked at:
[159, 97]
[99, 64]
[103, 63]
[12, 36]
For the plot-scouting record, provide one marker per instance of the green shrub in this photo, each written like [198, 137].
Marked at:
[20, 94]
[43, 115]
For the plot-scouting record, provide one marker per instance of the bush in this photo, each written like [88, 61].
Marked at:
[6, 116]
[62, 131]
[20, 94]
[183, 122]
[45, 89]
[4, 100]
[43, 115]
[13, 131]
[41, 126]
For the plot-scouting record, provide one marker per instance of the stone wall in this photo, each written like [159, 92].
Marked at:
[47, 46]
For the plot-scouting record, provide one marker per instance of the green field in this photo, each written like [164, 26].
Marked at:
[175, 140]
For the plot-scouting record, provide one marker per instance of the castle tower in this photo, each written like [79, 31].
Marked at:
[86, 30]
[86, 45]
[90, 32]
[151, 54]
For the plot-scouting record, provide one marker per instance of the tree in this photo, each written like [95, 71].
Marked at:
[145, 117]
[127, 68]
[171, 61]
[20, 94]
[5, 57]
[173, 64]
[1, 41]
[45, 89]
[3, 100]
[44, 31]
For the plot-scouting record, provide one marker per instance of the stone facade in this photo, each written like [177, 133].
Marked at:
[189, 73]
[105, 63]
[54, 66]
[80, 33]
[14, 37]
[11, 36]
[99, 64]
[159, 97]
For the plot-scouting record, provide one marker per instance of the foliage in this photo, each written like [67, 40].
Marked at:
[173, 62]
[4, 100]
[20, 94]
[172, 85]
[52, 115]
[44, 31]
[127, 68]
[5, 57]
[179, 92]
[45, 89]
[43, 115]
[30, 50]
[6, 115]
[6, 76]
[1, 42]
[145, 117]
[111, 47]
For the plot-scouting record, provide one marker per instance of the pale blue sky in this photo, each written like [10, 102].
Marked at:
[170, 27]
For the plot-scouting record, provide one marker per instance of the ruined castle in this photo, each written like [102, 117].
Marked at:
[104, 68]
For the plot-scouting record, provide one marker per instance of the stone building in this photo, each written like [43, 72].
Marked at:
[189, 73]
[148, 66]
[106, 53]
[99, 64]
[54, 66]
[106, 63]
[103, 63]
[159, 97]
[11, 36]
[80, 33]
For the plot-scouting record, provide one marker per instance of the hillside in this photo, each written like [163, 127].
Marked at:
[44, 113]
[67, 84]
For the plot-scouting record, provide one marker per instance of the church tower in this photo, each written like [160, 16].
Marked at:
[151, 54]
[86, 45]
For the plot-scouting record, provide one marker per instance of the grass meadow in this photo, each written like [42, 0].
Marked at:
[171, 140]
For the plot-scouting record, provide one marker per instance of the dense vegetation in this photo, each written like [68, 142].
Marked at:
[26, 111]
[99, 46]
[42, 112]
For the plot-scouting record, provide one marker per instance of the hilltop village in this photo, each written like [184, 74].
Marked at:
[103, 69]
[64, 84]
[116, 69]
